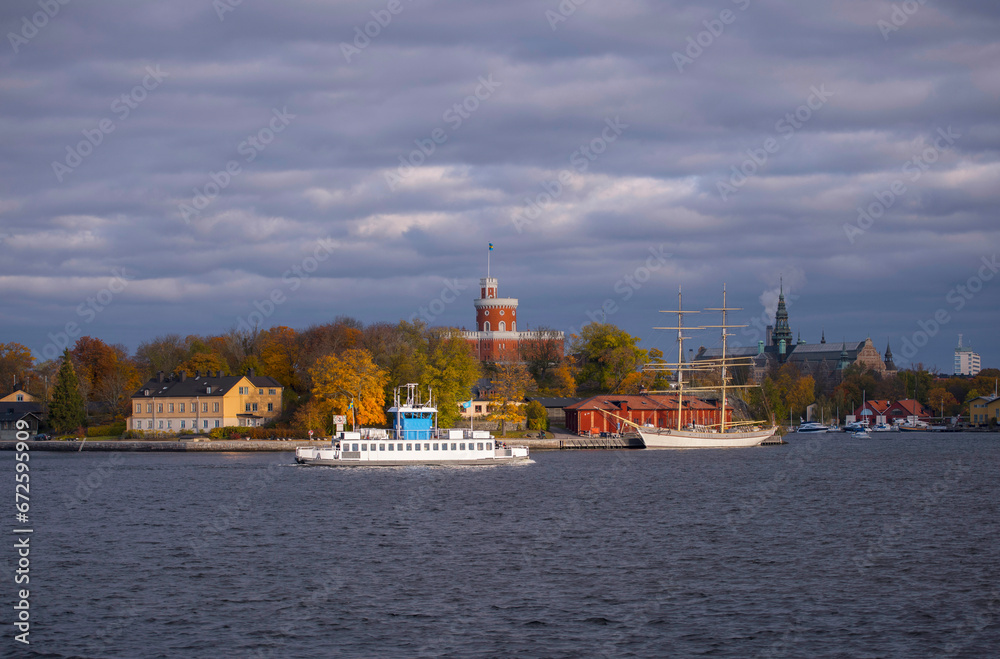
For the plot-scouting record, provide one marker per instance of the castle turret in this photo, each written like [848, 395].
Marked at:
[493, 313]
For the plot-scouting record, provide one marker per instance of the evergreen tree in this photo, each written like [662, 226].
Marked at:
[66, 410]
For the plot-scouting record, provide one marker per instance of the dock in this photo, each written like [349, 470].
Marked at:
[632, 441]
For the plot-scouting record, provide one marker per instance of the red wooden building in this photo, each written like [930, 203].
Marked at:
[598, 413]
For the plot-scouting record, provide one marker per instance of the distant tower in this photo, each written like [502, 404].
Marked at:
[822, 338]
[781, 328]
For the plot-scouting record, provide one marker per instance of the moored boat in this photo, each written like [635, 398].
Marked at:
[413, 440]
[691, 436]
[812, 426]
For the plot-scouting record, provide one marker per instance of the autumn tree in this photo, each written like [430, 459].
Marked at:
[15, 365]
[279, 355]
[94, 360]
[942, 401]
[351, 376]
[509, 383]
[67, 411]
[115, 389]
[562, 381]
[205, 362]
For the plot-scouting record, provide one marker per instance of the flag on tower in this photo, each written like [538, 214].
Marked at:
[491, 247]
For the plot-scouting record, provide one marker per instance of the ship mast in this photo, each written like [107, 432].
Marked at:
[724, 361]
[680, 351]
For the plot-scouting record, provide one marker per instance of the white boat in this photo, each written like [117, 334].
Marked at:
[861, 433]
[725, 435]
[884, 427]
[413, 440]
[812, 426]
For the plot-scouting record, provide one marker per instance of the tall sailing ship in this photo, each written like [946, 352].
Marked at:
[739, 434]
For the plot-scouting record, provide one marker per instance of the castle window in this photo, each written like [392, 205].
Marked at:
[513, 326]
[487, 313]
[486, 326]
[503, 326]
[501, 312]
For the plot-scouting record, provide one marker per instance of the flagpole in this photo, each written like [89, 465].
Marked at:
[488, 263]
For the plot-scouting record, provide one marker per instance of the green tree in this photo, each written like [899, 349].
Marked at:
[450, 370]
[608, 356]
[66, 410]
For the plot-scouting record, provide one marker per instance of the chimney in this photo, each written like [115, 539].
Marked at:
[184, 376]
[218, 374]
[159, 376]
[767, 334]
[249, 372]
[197, 373]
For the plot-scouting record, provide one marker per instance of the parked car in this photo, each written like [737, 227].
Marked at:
[41, 437]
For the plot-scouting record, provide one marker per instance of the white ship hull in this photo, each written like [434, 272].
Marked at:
[671, 438]
[375, 454]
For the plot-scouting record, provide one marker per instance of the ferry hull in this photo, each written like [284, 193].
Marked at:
[667, 438]
[409, 463]
[334, 457]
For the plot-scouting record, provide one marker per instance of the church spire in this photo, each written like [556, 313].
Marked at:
[781, 328]
[889, 364]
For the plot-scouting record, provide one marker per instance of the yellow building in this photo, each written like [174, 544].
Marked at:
[982, 409]
[19, 396]
[203, 402]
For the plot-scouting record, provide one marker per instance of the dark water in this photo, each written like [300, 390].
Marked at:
[827, 547]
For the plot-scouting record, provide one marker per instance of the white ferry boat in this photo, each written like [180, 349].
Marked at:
[413, 440]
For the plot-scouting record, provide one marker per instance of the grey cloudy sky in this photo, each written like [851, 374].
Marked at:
[610, 150]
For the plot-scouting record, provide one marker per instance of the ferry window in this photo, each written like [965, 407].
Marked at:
[409, 447]
[479, 446]
[427, 447]
[453, 446]
[354, 447]
[435, 446]
[399, 447]
[381, 447]
[461, 447]
[489, 447]
[392, 446]
[364, 447]
[417, 445]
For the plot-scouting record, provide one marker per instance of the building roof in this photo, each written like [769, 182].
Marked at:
[813, 352]
[13, 411]
[556, 402]
[911, 407]
[646, 402]
[200, 385]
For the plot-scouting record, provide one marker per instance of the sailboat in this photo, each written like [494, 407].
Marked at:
[731, 435]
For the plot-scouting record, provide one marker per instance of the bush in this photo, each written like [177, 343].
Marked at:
[239, 432]
[538, 418]
[111, 430]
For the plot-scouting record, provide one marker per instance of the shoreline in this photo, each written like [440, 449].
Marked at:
[206, 446]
